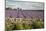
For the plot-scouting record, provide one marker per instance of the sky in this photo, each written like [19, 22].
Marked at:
[25, 5]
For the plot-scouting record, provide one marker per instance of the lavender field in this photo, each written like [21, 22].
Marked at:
[24, 19]
[24, 13]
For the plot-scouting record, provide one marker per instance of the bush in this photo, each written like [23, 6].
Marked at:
[38, 24]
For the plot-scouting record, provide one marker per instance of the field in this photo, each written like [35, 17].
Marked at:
[24, 19]
[24, 13]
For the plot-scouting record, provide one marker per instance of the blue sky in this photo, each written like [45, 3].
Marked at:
[24, 4]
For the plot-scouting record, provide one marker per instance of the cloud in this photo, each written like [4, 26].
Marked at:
[24, 5]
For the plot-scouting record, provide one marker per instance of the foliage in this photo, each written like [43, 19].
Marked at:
[20, 25]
